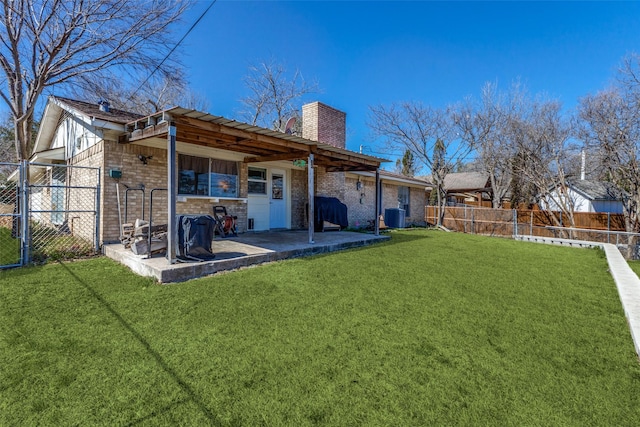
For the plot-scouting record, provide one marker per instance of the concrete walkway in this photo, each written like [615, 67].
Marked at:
[626, 280]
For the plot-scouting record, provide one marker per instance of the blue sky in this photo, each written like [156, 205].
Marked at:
[365, 53]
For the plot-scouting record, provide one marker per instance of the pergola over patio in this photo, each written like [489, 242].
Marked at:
[256, 143]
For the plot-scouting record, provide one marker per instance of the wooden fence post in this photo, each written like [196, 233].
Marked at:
[473, 224]
[531, 226]
[465, 219]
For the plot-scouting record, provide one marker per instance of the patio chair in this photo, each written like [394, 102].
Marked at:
[225, 223]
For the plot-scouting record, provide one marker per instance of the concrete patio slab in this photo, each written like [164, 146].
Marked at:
[245, 250]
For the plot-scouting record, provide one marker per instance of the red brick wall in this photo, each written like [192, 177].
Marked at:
[152, 175]
[330, 184]
[324, 124]
[299, 196]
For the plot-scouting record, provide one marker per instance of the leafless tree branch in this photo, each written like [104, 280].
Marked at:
[54, 42]
[274, 96]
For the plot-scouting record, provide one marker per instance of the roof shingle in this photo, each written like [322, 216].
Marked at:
[93, 110]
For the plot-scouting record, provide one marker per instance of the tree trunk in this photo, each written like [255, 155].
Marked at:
[23, 137]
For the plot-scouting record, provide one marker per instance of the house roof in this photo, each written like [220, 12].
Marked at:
[260, 144]
[88, 112]
[466, 181]
[596, 190]
[196, 127]
[93, 110]
[397, 178]
[404, 178]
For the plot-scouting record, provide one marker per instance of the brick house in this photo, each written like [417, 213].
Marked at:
[396, 191]
[259, 175]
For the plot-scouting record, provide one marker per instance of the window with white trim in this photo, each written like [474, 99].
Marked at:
[257, 181]
[203, 176]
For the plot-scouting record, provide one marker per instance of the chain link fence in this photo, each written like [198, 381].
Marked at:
[54, 213]
[605, 228]
[10, 233]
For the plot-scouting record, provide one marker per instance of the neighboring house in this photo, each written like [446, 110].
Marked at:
[585, 196]
[468, 188]
[261, 176]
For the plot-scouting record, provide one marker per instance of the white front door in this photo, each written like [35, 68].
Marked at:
[277, 199]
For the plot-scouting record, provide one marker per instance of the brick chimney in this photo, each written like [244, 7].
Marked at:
[324, 124]
[327, 125]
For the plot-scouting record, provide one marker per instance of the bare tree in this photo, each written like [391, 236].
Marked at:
[541, 137]
[158, 94]
[609, 124]
[482, 125]
[274, 96]
[427, 133]
[46, 43]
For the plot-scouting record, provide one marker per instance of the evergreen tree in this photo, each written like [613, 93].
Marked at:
[406, 166]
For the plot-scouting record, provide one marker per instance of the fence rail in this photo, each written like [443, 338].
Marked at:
[594, 227]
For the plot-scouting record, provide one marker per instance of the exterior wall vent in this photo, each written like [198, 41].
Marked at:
[104, 106]
[250, 224]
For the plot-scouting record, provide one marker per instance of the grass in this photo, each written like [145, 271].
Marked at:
[47, 245]
[9, 248]
[430, 328]
[50, 245]
[635, 266]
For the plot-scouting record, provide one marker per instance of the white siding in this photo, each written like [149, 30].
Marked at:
[76, 136]
[582, 204]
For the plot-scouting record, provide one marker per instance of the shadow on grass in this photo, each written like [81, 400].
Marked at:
[153, 353]
[410, 234]
[154, 414]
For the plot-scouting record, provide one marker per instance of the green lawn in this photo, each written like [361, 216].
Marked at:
[430, 328]
[635, 266]
[9, 248]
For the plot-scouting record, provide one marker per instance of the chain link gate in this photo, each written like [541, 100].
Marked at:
[63, 211]
[48, 212]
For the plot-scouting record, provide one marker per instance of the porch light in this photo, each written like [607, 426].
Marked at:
[144, 159]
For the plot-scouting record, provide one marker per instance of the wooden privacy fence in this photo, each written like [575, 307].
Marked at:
[597, 227]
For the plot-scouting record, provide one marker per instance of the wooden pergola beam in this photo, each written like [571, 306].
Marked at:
[259, 146]
[275, 157]
[239, 133]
